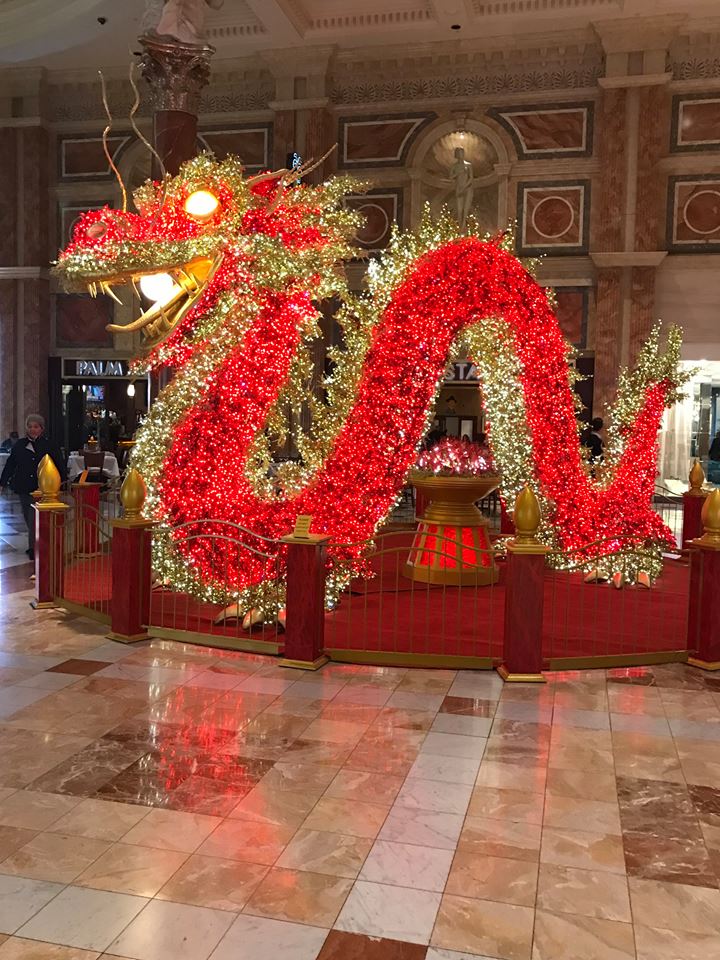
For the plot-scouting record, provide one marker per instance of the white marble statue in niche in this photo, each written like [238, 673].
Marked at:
[180, 20]
[461, 173]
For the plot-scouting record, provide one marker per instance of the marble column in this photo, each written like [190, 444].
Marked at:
[176, 73]
[606, 236]
[25, 329]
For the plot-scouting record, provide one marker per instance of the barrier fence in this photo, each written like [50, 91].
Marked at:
[95, 557]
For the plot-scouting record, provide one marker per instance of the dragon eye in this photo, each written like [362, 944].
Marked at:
[201, 204]
[97, 230]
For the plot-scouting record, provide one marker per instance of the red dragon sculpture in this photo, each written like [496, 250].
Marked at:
[245, 264]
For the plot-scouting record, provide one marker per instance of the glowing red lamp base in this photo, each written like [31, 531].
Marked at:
[452, 543]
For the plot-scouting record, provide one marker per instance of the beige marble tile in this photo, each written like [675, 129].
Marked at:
[582, 785]
[32, 810]
[372, 787]
[309, 779]
[352, 819]
[12, 838]
[484, 927]
[582, 849]
[245, 840]
[569, 813]
[675, 906]
[100, 819]
[123, 868]
[172, 830]
[299, 896]
[571, 937]
[53, 857]
[424, 827]
[500, 838]
[213, 882]
[493, 878]
[663, 944]
[529, 778]
[502, 804]
[264, 804]
[321, 852]
[590, 893]
[17, 948]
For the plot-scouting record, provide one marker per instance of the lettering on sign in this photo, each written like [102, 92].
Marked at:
[461, 372]
[100, 368]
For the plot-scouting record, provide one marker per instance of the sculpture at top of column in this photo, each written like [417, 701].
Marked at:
[180, 20]
[461, 173]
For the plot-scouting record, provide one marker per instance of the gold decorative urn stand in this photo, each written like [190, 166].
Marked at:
[452, 541]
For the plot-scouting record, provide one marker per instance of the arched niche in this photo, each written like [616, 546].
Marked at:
[432, 155]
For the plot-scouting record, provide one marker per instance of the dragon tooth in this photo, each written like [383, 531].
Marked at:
[111, 293]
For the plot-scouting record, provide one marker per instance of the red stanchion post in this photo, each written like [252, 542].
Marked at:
[49, 537]
[131, 565]
[87, 513]
[524, 596]
[305, 598]
[703, 622]
[693, 502]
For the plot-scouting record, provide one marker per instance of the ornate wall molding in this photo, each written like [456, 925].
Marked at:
[695, 57]
[468, 75]
[235, 91]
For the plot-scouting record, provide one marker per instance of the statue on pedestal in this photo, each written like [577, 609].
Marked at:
[461, 173]
[179, 20]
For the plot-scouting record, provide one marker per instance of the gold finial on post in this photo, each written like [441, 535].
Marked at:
[48, 480]
[132, 495]
[710, 517]
[526, 516]
[697, 479]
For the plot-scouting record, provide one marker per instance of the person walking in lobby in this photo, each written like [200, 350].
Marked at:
[20, 472]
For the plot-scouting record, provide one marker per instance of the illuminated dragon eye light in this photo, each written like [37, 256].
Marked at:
[201, 204]
[158, 287]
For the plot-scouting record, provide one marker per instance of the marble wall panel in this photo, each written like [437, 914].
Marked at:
[554, 130]
[608, 314]
[651, 198]
[35, 333]
[553, 216]
[8, 356]
[695, 123]
[572, 314]
[253, 144]
[8, 197]
[642, 308]
[381, 141]
[35, 153]
[319, 137]
[610, 187]
[80, 321]
[83, 158]
[693, 220]
[381, 209]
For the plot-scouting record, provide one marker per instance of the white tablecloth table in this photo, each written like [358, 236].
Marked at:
[76, 465]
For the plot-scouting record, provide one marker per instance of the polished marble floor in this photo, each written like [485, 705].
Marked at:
[164, 802]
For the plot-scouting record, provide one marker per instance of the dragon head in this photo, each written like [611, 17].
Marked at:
[205, 232]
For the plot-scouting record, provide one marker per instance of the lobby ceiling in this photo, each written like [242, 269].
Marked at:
[68, 34]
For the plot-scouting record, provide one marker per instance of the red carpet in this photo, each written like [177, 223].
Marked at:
[390, 613]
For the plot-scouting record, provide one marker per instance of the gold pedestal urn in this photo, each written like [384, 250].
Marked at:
[452, 542]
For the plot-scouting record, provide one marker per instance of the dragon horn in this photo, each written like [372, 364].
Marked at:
[309, 165]
[262, 177]
[275, 203]
[106, 148]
